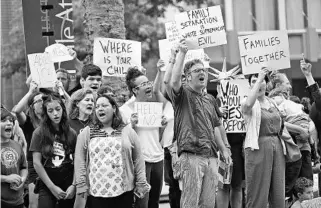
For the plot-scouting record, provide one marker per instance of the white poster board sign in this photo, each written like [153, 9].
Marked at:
[149, 114]
[115, 56]
[42, 70]
[202, 28]
[231, 93]
[172, 33]
[58, 53]
[165, 53]
[264, 49]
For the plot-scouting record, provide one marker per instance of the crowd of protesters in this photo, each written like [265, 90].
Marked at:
[80, 148]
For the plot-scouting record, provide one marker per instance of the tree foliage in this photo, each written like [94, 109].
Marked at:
[13, 52]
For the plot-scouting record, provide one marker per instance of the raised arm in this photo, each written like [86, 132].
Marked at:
[313, 87]
[23, 103]
[168, 73]
[158, 82]
[176, 80]
[250, 100]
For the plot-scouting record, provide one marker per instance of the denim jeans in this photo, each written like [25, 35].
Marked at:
[198, 180]
[154, 176]
[125, 200]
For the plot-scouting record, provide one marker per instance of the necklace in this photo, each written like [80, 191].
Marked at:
[84, 123]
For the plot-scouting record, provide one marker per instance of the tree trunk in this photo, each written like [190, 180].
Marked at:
[105, 18]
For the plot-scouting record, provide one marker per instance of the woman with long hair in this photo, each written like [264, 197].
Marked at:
[264, 156]
[53, 145]
[31, 103]
[109, 165]
[80, 109]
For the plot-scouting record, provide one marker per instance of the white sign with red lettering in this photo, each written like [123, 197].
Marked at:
[149, 114]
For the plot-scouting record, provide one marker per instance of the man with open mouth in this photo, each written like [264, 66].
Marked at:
[91, 76]
[13, 165]
[197, 131]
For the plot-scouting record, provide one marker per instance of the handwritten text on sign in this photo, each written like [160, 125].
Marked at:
[58, 52]
[231, 93]
[42, 70]
[115, 56]
[264, 49]
[149, 114]
[202, 28]
[172, 33]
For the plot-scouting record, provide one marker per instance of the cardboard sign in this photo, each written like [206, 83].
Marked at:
[149, 114]
[42, 70]
[115, 56]
[172, 33]
[231, 93]
[165, 53]
[202, 28]
[264, 49]
[58, 53]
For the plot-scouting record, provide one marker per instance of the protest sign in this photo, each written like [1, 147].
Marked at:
[231, 93]
[58, 53]
[42, 70]
[115, 56]
[165, 53]
[264, 49]
[172, 34]
[149, 114]
[202, 28]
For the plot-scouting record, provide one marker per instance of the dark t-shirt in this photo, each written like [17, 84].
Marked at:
[195, 120]
[60, 159]
[12, 162]
[77, 125]
[28, 129]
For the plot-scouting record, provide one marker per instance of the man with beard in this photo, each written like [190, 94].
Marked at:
[153, 153]
[197, 130]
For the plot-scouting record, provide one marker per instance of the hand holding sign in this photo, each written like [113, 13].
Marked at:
[161, 65]
[59, 53]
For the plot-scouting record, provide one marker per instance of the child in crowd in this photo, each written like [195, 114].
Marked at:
[293, 112]
[303, 190]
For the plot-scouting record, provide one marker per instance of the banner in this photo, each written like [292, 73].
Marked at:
[172, 34]
[231, 93]
[115, 56]
[149, 114]
[165, 53]
[202, 28]
[264, 49]
[42, 70]
[58, 53]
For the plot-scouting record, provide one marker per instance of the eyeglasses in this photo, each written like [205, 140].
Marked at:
[205, 70]
[145, 84]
